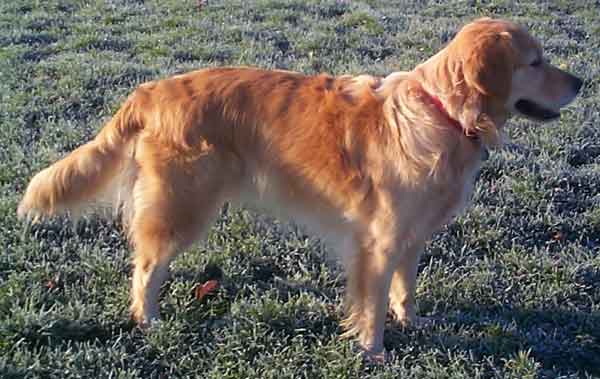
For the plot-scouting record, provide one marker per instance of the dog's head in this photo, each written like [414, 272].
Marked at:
[495, 68]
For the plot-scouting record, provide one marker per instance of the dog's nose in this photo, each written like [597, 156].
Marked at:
[577, 84]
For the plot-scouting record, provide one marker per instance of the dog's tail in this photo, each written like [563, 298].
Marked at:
[74, 183]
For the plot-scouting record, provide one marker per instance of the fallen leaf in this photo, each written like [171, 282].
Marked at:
[201, 3]
[51, 284]
[206, 288]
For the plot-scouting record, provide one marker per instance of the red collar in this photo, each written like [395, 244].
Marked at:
[454, 122]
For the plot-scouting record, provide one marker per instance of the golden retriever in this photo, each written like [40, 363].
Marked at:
[374, 164]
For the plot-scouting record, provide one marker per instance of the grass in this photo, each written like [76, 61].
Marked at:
[513, 282]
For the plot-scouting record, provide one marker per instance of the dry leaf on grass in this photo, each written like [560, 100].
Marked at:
[204, 289]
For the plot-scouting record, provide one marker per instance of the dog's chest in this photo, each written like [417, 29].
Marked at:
[446, 199]
[461, 193]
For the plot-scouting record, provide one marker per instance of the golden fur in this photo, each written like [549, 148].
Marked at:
[372, 163]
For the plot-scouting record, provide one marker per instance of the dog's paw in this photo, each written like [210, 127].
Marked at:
[376, 357]
[28, 214]
[150, 325]
[146, 323]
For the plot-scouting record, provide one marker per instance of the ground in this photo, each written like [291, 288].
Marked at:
[512, 284]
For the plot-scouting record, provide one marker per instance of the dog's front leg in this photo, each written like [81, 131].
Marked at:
[369, 277]
[402, 289]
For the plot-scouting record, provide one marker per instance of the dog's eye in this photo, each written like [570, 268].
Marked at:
[536, 63]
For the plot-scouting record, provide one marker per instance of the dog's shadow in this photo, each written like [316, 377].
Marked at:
[559, 340]
[262, 278]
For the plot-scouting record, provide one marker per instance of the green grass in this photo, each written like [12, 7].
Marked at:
[513, 283]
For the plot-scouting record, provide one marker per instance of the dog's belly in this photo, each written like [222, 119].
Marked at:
[266, 194]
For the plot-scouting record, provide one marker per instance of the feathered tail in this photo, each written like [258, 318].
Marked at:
[74, 183]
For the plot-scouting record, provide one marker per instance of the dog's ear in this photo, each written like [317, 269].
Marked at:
[489, 64]
[487, 68]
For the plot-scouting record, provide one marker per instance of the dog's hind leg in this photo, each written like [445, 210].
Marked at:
[173, 206]
[155, 247]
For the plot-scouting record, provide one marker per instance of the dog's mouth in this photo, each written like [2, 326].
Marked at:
[530, 109]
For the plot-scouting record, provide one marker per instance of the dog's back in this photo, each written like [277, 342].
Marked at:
[251, 122]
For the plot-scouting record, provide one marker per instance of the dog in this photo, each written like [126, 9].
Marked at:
[375, 164]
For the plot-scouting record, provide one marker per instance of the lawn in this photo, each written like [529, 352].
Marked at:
[513, 284]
